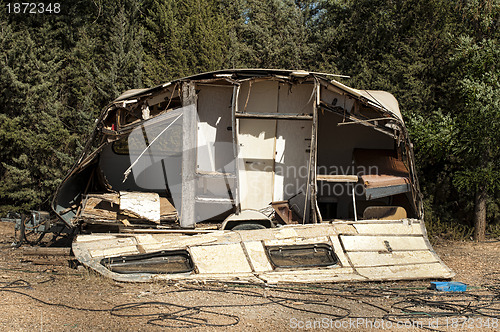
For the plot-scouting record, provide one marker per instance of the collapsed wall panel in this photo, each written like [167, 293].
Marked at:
[245, 256]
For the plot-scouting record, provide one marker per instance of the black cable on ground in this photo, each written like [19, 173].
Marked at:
[419, 307]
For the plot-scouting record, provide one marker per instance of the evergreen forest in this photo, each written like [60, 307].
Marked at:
[440, 58]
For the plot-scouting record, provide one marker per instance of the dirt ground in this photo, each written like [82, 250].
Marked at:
[43, 293]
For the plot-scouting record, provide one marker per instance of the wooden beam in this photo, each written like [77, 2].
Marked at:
[189, 131]
[47, 251]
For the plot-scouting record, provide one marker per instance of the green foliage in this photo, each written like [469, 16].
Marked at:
[478, 83]
[439, 58]
[183, 38]
[270, 34]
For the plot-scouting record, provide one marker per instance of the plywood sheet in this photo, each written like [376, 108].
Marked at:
[101, 206]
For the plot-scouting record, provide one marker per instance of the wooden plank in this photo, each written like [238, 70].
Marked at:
[275, 116]
[93, 237]
[46, 251]
[167, 231]
[378, 243]
[367, 259]
[337, 178]
[223, 258]
[101, 207]
[337, 248]
[316, 230]
[258, 257]
[214, 200]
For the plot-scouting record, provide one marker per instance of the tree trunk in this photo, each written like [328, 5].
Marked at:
[480, 215]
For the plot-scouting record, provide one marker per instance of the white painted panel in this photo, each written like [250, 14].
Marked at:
[376, 243]
[224, 258]
[389, 229]
[112, 252]
[279, 169]
[88, 237]
[296, 98]
[297, 241]
[293, 142]
[206, 147]
[263, 97]
[330, 97]
[256, 140]
[215, 141]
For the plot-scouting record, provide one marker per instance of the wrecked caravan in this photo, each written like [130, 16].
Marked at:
[250, 175]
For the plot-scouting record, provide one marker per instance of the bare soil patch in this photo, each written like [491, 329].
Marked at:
[44, 293]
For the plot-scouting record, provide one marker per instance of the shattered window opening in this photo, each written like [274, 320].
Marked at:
[175, 261]
[310, 255]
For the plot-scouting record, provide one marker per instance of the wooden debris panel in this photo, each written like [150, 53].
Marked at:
[140, 205]
[101, 207]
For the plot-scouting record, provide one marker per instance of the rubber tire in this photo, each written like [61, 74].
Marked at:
[248, 226]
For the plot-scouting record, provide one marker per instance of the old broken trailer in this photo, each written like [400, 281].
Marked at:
[250, 175]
